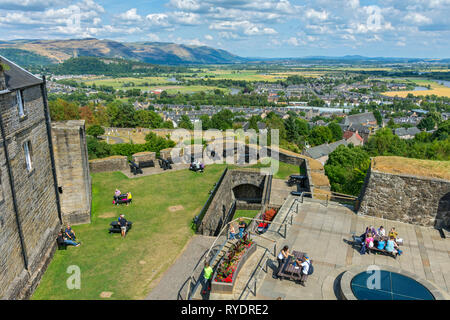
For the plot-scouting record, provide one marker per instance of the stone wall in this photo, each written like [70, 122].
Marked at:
[405, 198]
[144, 157]
[72, 168]
[28, 229]
[216, 215]
[114, 163]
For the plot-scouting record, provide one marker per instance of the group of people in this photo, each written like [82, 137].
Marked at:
[377, 238]
[305, 264]
[197, 166]
[237, 235]
[67, 237]
[119, 196]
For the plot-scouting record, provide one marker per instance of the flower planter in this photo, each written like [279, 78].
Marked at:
[227, 287]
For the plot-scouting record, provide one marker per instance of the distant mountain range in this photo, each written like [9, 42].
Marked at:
[44, 52]
[57, 51]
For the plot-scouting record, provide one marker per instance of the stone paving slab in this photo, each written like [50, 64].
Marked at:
[322, 233]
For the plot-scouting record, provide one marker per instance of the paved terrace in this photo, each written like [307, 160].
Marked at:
[321, 231]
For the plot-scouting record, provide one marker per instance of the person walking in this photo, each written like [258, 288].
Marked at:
[123, 223]
[206, 279]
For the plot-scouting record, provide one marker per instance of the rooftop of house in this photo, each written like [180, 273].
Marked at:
[360, 118]
[406, 131]
[324, 149]
[16, 77]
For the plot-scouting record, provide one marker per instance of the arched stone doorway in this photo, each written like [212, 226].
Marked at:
[248, 193]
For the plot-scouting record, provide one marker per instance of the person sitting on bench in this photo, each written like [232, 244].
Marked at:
[116, 195]
[62, 240]
[123, 223]
[129, 198]
[381, 244]
[232, 232]
[392, 247]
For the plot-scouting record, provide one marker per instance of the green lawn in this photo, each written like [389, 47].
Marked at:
[245, 213]
[162, 210]
[127, 267]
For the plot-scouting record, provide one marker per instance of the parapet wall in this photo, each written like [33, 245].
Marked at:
[217, 214]
[114, 163]
[406, 198]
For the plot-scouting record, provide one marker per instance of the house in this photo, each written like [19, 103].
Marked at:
[363, 131]
[367, 119]
[261, 126]
[406, 133]
[353, 138]
[322, 152]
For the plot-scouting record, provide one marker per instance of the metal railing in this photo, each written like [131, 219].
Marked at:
[190, 293]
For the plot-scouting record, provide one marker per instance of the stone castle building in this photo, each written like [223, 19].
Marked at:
[31, 207]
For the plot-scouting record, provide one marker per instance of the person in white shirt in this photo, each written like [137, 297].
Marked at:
[305, 264]
[381, 231]
[281, 258]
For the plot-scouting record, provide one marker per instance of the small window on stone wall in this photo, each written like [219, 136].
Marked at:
[27, 149]
[20, 103]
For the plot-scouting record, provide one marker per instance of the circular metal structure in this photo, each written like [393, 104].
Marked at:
[386, 283]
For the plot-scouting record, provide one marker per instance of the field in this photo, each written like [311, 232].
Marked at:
[436, 89]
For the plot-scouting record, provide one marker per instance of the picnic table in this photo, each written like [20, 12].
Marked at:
[288, 270]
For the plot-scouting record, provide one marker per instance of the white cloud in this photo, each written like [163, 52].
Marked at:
[158, 19]
[153, 37]
[244, 27]
[417, 18]
[130, 16]
[317, 15]
[209, 37]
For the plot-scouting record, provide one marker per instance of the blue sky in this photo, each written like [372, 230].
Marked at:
[249, 28]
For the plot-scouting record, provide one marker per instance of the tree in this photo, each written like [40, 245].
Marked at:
[320, 135]
[148, 119]
[346, 169]
[222, 120]
[292, 132]
[61, 110]
[185, 123]
[426, 123]
[336, 131]
[95, 131]
[302, 126]
[377, 115]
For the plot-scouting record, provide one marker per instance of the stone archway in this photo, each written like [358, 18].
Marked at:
[443, 213]
[248, 192]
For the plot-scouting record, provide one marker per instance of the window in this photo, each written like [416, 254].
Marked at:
[20, 102]
[27, 149]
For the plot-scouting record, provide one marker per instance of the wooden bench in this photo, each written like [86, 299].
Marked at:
[385, 252]
[288, 270]
[115, 227]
